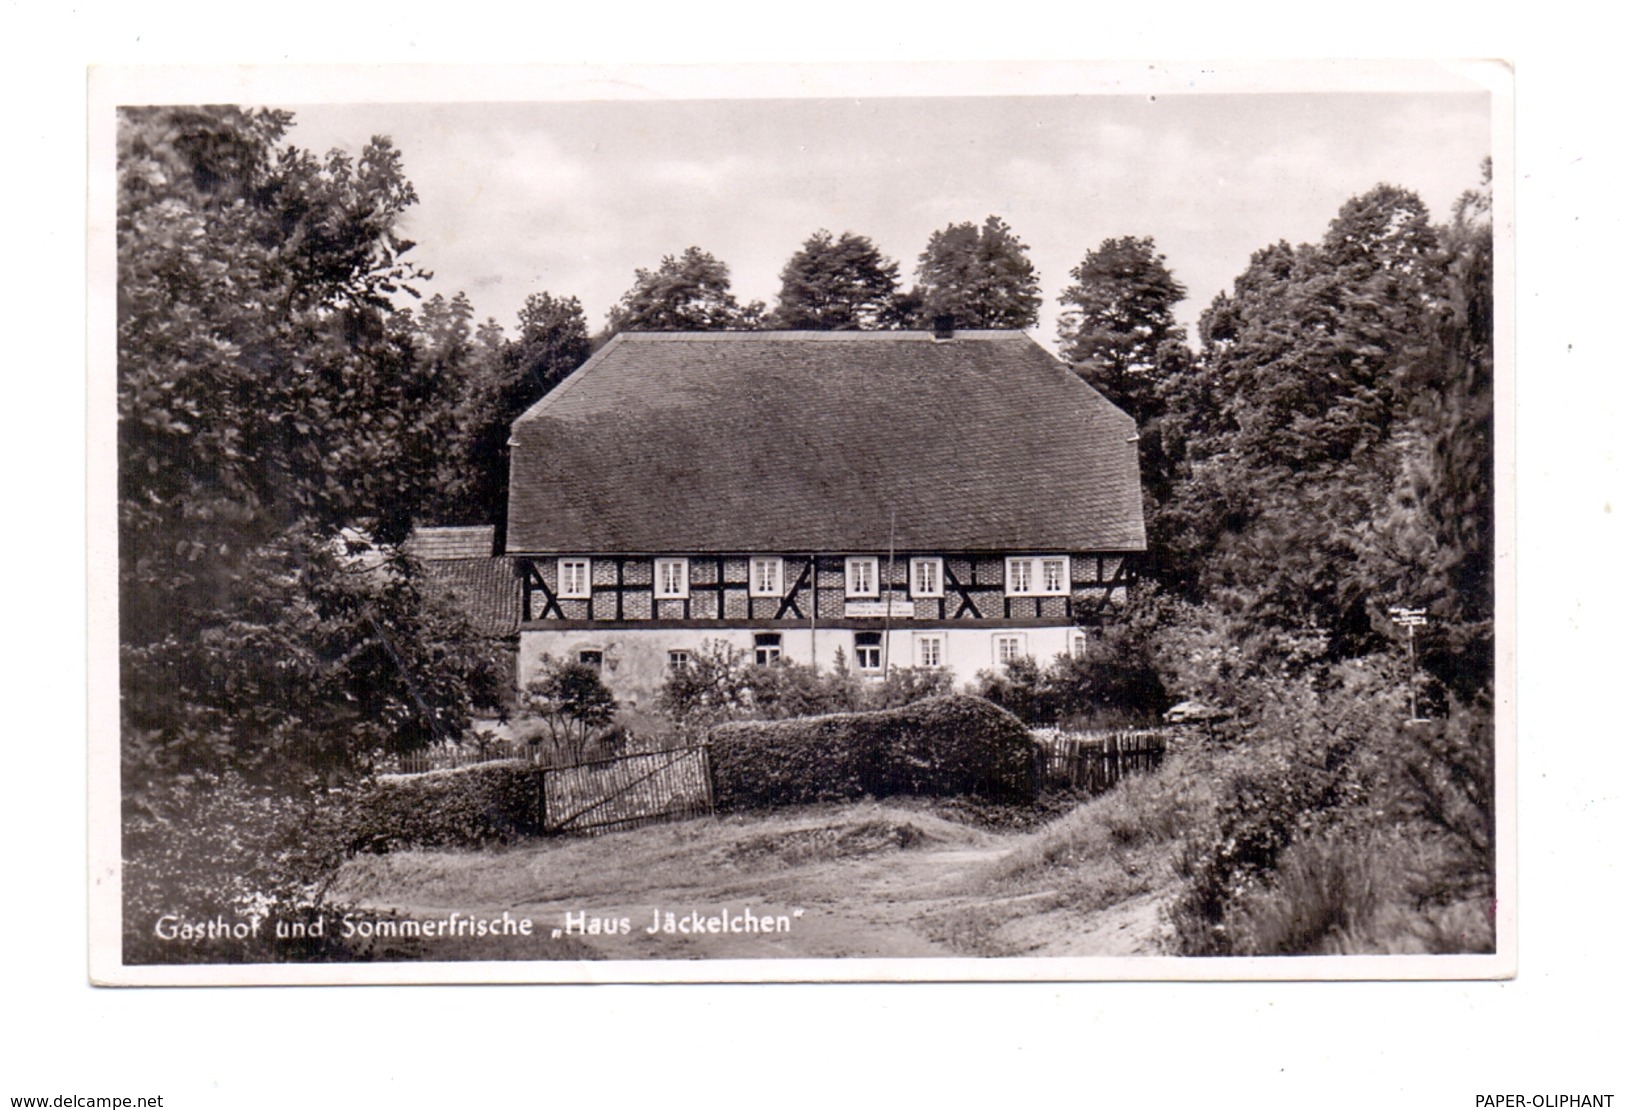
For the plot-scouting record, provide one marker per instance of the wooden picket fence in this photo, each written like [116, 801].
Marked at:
[1097, 761]
[627, 791]
[451, 756]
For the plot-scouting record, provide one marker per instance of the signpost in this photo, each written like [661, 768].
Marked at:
[1410, 620]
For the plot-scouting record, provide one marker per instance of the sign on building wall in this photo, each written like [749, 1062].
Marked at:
[878, 608]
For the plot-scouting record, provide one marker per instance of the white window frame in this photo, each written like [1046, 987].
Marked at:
[914, 568]
[662, 591]
[1080, 643]
[878, 647]
[1017, 638]
[567, 592]
[678, 658]
[757, 564]
[934, 640]
[873, 563]
[1064, 585]
[1030, 568]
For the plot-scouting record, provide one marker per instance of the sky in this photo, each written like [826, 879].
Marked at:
[572, 196]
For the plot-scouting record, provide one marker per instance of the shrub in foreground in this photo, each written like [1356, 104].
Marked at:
[1337, 828]
[220, 849]
[937, 747]
[465, 808]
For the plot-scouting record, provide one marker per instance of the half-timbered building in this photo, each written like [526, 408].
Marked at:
[920, 499]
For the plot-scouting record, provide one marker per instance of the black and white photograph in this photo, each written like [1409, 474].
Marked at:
[718, 527]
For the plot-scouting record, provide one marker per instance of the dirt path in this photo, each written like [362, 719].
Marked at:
[864, 880]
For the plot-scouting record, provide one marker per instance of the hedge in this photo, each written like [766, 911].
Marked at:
[939, 746]
[463, 808]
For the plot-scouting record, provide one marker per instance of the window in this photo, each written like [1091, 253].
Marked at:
[591, 658]
[928, 650]
[575, 577]
[1008, 647]
[671, 577]
[863, 576]
[1054, 576]
[678, 659]
[866, 651]
[1018, 576]
[925, 577]
[768, 648]
[1080, 643]
[1047, 576]
[766, 576]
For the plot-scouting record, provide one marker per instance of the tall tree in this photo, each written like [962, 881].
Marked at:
[552, 342]
[837, 284]
[1120, 322]
[688, 292]
[442, 338]
[1287, 431]
[981, 277]
[1433, 546]
[273, 418]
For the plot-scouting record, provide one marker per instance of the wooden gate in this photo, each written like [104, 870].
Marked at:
[627, 791]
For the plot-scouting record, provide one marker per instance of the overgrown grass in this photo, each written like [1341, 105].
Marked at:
[1113, 848]
[1362, 896]
[1142, 815]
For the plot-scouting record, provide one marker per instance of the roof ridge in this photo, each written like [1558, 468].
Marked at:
[894, 335]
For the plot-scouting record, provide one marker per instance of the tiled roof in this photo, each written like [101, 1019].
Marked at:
[458, 567]
[818, 441]
[486, 590]
[452, 543]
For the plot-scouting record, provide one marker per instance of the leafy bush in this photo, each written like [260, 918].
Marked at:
[786, 689]
[942, 746]
[218, 848]
[1094, 690]
[721, 684]
[1296, 773]
[906, 685]
[1338, 828]
[571, 699]
[465, 808]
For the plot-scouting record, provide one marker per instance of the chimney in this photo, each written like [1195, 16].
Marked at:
[942, 327]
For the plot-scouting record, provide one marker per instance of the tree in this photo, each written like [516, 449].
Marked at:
[278, 428]
[1290, 430]
[1433, 545]
[442, 339]
[574, 702]
[837, 284]
[1120, 325]
[690, 292]
[979, 276]
[552, 343]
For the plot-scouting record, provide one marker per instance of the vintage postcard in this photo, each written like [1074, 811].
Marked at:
[981, 522]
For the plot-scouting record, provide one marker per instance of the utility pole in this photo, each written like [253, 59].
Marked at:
[885, 628]
[1410, 620]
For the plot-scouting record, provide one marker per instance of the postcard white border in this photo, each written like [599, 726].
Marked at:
[316, 84]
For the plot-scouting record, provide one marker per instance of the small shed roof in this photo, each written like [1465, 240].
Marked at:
[458, 568]
[459, 542]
